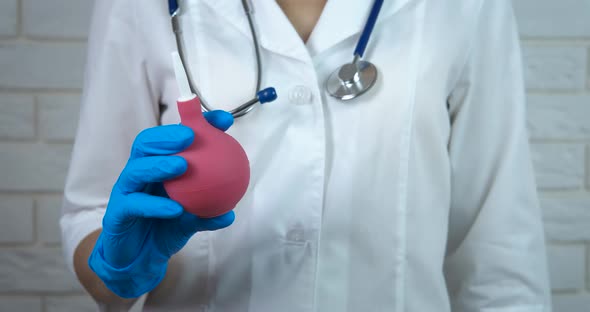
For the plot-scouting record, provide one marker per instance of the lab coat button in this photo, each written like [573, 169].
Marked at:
[296, 235]
[300, 95]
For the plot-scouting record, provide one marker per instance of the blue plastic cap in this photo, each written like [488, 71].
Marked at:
[267, 95]
[172, 6]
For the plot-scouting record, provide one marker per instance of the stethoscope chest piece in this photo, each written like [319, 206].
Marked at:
[351, 80]
[346, 83]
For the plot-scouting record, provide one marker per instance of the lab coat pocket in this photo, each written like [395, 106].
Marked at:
[283, 274]
[188, 272]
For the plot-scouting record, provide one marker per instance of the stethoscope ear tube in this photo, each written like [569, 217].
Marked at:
[262, 96]
[347, 82]
[172, 6]
[368, 30]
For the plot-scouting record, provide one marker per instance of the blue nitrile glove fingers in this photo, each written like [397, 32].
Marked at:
[150, 169]
[221, 120]
[162, 140]
[186, 226]
[191, 223]
[142, 227]
[132, 224]
[127, 217]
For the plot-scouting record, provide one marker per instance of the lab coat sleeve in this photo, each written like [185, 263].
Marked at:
[496, 257]
[118, 101]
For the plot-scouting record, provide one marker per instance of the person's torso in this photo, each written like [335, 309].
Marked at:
[348, 203]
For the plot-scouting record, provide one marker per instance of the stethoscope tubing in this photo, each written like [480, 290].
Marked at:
[177, 29]
[368, 30]
[346, 90]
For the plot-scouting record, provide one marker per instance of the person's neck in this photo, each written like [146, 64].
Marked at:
[303, 14]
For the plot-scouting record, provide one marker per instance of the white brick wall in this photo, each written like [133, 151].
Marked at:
[39, 18]
[16, 220]
[17, 116]
[559, 117]
[556, 42]
[20, 303]
[555, 19]
[45, 41]
[8, 17]
[555, 67]
[39, 103]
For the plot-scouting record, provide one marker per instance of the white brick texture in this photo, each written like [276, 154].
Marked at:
[559, 166]
[58, 116]
[48, 219]
[567, 218]
[571, 302]
[42, 57]
[41, 65]
[21, 304]
[559, 117]
[17, 116]
[46, 18]
[567, 266]
[33, 166]
[550, 18]
[8, 17]
[16, 220]
[555, 67]
[70, 303]
[35, 270]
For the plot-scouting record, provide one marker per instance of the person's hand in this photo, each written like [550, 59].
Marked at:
[142, 227]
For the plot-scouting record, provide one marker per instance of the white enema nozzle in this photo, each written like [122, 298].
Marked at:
[181, 78]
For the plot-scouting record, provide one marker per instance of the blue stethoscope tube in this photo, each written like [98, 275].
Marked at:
[347, 82]
[172, 6]
[368, 30]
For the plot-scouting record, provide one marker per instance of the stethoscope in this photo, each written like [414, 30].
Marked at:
[345, 83]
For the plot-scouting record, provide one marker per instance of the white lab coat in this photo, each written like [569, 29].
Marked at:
[418, 196]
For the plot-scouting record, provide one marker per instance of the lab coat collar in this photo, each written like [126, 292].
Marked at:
[331, 30]
[276, 33]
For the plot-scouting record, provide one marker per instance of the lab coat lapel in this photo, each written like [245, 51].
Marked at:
[342, 19]
[275, 32]
[277, 35]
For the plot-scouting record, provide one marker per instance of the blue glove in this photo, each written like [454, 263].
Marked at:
[142, 227]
